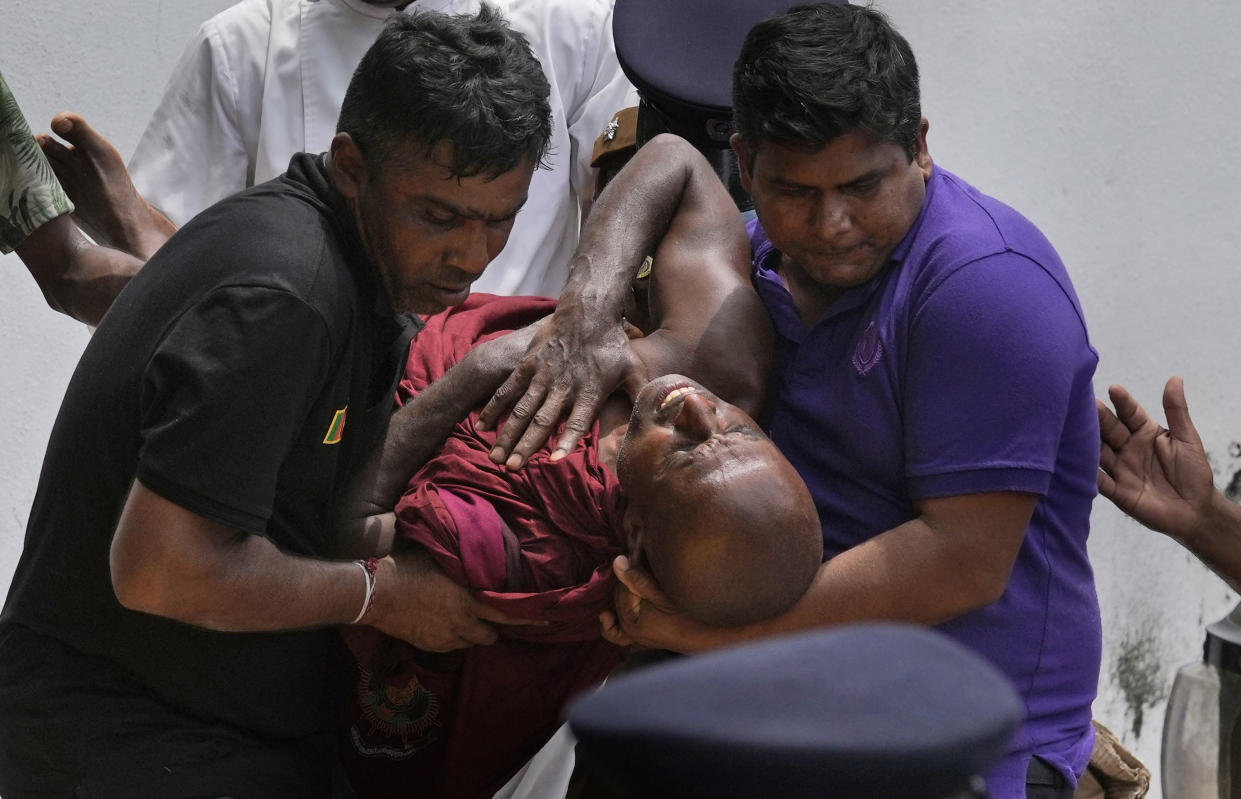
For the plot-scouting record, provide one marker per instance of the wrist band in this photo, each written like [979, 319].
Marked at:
[369, 567]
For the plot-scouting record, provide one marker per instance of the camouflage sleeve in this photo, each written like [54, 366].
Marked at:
[30, 194]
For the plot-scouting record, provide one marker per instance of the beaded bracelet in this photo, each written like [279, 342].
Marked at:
[369, 567]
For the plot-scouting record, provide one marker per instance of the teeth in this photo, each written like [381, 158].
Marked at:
[672, 395]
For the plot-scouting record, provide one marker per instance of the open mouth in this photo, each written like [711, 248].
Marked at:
[675, 394]
[663, 396]
[668, 401]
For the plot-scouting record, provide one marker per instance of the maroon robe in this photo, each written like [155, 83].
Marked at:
[537, 544]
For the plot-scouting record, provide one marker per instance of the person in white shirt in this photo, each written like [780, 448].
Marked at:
[264, 79]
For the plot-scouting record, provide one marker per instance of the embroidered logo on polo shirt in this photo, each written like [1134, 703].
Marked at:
[869, 350]
[336, 428]
[401, 714]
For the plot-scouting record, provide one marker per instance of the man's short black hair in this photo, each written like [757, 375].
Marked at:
[470, 81]
[818, 71]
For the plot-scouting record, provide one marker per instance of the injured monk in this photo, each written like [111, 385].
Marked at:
[677, 479]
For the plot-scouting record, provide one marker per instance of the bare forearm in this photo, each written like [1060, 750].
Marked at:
[1217, 540]
[913, 573]
[626, 224]
[77, 278]
[584, 354]
[253, 586]
[909, 573]
[169, 562]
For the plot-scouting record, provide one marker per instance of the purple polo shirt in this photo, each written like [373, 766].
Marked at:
[963, 367]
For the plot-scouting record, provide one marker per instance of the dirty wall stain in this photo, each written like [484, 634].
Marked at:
[1136, 672]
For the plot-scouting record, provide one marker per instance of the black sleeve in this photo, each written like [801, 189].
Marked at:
[224, 397]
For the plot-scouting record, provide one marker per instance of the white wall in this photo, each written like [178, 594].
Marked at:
[109, 62]
[1106, 123]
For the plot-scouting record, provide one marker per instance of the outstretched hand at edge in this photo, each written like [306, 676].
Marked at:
[1161, 477]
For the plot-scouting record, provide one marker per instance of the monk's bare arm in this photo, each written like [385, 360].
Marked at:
[709, 323]
[583, 354]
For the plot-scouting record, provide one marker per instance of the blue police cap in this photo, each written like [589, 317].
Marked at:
[679, 55]
[872, 710]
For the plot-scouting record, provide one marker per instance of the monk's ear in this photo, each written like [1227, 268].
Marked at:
[348, 165]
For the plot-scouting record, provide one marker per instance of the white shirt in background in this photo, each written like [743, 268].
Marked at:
[265, 79]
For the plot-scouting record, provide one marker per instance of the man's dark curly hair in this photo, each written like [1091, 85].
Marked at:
[818, 71]
[471, 81]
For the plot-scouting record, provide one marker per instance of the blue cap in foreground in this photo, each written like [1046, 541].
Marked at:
[874, 710]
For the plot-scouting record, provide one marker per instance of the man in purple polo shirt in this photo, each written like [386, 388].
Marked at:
[933, 376]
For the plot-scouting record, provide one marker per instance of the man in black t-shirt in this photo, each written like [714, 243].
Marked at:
[165, 633]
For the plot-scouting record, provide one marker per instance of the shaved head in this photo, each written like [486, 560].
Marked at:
[726, 525]
[745, 552]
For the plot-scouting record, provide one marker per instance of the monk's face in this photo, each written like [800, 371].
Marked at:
[685, 447]
[718, 515]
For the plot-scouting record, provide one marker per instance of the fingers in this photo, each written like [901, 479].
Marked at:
[452, 643]
[512, 390]
[517, 428]
[1107, 458]
[477, 633]
[628, 604]
[541, 425]
[1107, 486]
[473, 631]
[563, 377]
[610, 629]
[524, 379]
[1112, 432]
[585, 411]
[1166, 456]
[629, 575]
[487, 613]
[535, 417]
[1176, 409]
[1128, 411]
[641, 585]
[446, 638]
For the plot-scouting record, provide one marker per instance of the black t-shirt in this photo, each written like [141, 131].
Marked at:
[243, 374]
